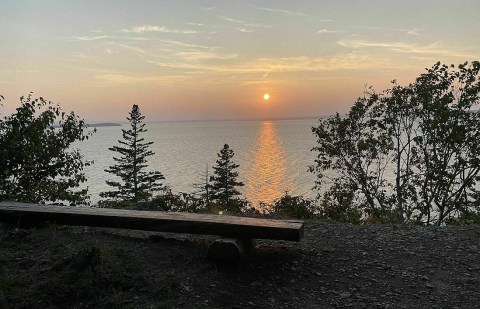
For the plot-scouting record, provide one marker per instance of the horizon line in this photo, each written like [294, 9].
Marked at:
[210, 120]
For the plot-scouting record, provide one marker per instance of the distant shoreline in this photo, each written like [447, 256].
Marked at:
[97, 125]
[104, 124]
[235, 120]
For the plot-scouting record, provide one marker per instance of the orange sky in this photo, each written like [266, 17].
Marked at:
[191, 60]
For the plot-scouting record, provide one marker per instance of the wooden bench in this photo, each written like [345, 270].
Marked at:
[237, 228]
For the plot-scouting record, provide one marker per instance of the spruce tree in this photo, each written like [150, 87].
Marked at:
[137, 184]
[224, 178]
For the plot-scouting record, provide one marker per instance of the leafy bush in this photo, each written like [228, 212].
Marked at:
[37, 161]
[408, 154]
[294, 207]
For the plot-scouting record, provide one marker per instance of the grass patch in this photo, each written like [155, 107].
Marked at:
[65, 268]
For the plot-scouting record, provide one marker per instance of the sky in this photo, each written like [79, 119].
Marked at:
[204, 60]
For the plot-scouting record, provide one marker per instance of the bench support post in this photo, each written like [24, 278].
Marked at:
[229, 249]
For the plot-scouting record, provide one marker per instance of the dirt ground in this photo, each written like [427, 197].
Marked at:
[335, 266]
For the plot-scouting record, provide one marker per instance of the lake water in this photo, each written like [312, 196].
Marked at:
[273, 155]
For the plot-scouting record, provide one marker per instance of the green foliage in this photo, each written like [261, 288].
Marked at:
[165, 201]
[37, 161]
[169, 201]
[224, 180]
[409, 154]
[337, 205]
[137, 184]
[233, 206]
[294, 207]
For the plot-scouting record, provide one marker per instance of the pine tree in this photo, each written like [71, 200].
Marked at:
[224, 178]
[137, 184]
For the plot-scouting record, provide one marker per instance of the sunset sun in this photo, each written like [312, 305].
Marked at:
[266, 96]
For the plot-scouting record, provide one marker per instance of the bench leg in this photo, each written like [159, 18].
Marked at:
[229, 249]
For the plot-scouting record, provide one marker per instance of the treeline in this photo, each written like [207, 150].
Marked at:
[410, 154]
[138, 188]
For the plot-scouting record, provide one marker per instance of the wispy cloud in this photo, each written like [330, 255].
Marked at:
[232, 20]
[194, 56]
[415, 31]
[231, 69]
[280, 11]
[268, 66]
[89, 38]
[187, 45]
[245, 26]
[326, 31]
[403, 47]
[134, 78]
[245, 30]
[104, 37]
[128, 47]
[153, 28]
[111, 51]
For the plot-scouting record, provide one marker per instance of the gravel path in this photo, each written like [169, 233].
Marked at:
[335, 266]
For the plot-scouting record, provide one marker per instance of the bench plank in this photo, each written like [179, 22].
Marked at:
[173, 222]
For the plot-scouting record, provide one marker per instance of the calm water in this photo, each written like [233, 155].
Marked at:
[273, 155]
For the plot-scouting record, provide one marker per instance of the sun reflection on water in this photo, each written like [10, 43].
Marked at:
[266, 180]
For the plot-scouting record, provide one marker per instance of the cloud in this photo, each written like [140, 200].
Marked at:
[280, 11]
[130, 78]
[415, 31]
[126, 46]
[194, 56]
[187, 45]
[231, 69]
[268, 66]
[151, 28]
[402, 47]
[104, 37]
[326, 31]
[232, 20]
[89, 38]
[244, 30]
[247, 27]
[111, 51]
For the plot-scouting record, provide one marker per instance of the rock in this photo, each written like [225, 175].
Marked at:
[345, 294]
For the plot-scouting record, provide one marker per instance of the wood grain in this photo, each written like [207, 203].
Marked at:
[174, 222]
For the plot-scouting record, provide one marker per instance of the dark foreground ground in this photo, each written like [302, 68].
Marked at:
[335, 266]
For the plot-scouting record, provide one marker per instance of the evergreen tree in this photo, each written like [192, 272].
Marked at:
[137, 184]
[224, 178]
